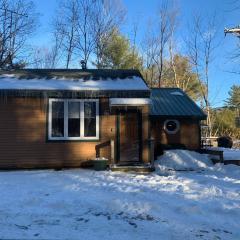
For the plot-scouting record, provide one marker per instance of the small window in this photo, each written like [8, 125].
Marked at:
[171, 126]
[73, 119]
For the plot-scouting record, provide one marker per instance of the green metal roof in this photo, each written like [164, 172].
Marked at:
[173, 102]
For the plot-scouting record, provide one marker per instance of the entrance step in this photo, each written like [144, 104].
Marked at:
[137, 168]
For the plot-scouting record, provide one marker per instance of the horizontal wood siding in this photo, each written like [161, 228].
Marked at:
[188, 135]
[24, 143]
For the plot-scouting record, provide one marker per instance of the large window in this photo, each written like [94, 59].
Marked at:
[71, 119]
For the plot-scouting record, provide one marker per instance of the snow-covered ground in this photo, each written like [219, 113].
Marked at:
[229, 153]
[182, 160]
[84, 204]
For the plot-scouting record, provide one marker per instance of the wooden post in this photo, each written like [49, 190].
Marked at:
[151, 150]
[97, 152]
[112, 152]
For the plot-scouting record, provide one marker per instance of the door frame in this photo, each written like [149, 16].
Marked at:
[118, 154]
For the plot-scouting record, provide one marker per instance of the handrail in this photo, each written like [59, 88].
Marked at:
[106, 144]
[101, 145]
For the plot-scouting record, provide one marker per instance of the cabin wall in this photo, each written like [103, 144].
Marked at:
[24, 142]
[188, 135]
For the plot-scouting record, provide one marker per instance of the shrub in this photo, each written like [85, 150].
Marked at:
[225, 141]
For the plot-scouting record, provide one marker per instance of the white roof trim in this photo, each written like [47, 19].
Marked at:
[129, 101]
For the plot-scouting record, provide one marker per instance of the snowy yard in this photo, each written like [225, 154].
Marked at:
[229, 153]
[84, 204]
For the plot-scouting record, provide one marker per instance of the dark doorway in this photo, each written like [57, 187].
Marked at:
[129, 137]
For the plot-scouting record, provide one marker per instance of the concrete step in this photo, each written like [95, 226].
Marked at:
[138, 169]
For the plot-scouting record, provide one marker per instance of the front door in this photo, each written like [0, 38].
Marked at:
[129, 137]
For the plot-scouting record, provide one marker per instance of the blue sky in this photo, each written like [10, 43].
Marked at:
[141, 10]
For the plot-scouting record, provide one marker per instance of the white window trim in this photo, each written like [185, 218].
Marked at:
[66, 101]
[177, 126]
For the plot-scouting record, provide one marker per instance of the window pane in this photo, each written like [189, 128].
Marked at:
[57, 119]
[90, 119]
[74, 119]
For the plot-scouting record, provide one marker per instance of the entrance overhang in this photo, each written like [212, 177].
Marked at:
[129, 101]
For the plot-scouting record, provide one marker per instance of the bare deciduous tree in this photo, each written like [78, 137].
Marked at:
[18, 20]
[148, 48]
[166, 21]
[66, 28]
[107, 15]
[86, 27]
[55, 50]
[157, 39]
[42, 58]
[84, 41]
[201, 45]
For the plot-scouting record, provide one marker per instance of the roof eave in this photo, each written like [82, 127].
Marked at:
[193, 117]
[77, 94]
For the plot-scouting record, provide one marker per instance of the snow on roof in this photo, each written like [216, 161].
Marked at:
[177, 93]
[13, 82]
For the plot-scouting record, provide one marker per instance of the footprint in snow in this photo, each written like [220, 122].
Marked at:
[119, 214]
[220, 230]
[22, 227]
[82, 220]
[133, 224]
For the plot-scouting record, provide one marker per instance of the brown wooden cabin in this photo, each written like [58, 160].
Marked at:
[66, 118]
[175, 120]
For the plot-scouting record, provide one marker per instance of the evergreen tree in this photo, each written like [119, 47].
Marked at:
[234, 97]
[119, 54]
[224, 123]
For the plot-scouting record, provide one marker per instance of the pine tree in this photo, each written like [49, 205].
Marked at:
[234, 97]
[119, 54]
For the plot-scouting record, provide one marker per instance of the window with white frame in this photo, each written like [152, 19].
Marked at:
[73, 119]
